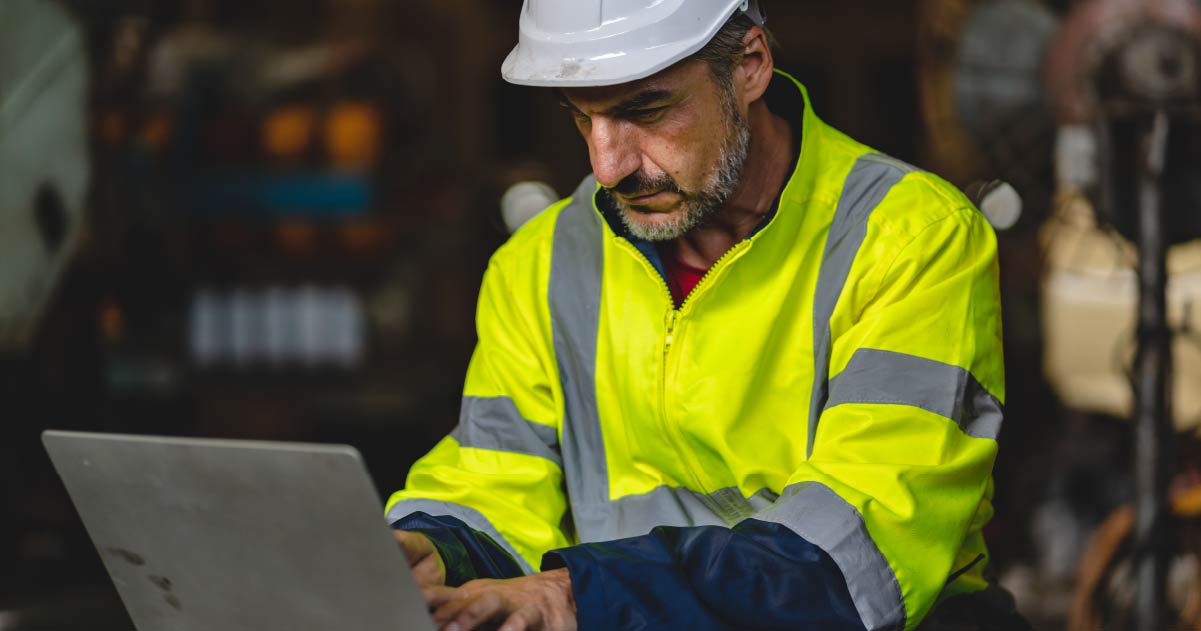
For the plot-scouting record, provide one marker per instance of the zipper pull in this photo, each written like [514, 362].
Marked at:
[671, 327]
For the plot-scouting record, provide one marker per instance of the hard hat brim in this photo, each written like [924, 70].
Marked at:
[615, 52]
[521, 69]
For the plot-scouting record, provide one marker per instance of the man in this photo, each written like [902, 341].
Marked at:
[748, 376]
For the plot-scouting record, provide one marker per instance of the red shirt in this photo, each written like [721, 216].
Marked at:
[681, 277]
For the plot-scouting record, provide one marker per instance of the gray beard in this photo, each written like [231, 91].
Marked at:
[700, 206]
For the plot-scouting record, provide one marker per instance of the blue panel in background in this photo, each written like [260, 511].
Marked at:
[313, 195]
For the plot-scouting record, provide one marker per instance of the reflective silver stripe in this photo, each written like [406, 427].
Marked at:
[876, 376]
[636, 515]
[870, 179]
[495, 423]
[469, 516]
[577, 264]
[816, 513]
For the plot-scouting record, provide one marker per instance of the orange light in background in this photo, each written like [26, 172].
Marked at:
[111, 126]
[288, 131]
[297, 237]
[352, 135]
[362, 237]
[157, 130]
[112, 321]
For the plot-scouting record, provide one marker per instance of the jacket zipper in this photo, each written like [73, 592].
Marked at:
[731, 253]
[686, 455]
[670, 429]
[669, 327]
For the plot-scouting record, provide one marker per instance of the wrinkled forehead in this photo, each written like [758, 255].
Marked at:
[679, 81]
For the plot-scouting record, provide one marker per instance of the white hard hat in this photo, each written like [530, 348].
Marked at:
[578, 43]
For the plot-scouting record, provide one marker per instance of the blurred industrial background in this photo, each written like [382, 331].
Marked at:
[269, 219]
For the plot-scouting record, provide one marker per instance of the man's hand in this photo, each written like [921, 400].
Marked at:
[539, 602]
[423, 557]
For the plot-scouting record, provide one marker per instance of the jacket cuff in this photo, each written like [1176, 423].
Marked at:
[467, 553]
[587, 587]
[459, 568]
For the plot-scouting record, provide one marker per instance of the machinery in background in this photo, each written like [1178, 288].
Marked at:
[44, 166]
[986, 112]
[1090, 109]
[1125, 79]
[277, 216]
[45, 177]
[284, 238]
[1101, 89]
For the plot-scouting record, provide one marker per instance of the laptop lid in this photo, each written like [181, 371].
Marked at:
[201, 534]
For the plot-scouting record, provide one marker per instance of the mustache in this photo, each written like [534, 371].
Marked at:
[637, 184]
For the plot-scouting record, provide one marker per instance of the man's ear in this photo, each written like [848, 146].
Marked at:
[754, 72]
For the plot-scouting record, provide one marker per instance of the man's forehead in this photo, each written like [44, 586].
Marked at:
[672, 81]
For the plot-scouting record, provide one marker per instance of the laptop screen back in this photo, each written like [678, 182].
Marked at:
[200, 535]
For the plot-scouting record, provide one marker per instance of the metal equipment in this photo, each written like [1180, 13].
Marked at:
[1130, 68]
[43, 159]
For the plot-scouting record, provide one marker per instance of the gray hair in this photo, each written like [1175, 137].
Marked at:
[724, 52]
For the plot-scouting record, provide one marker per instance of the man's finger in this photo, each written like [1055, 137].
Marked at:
[528, 619]
[438, 595]
[486, 607]
[428, 572]
[449, 610]
[416, 547]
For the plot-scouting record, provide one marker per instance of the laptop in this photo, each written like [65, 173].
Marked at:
[207, 535]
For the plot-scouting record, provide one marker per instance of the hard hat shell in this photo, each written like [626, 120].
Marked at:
[579, 43]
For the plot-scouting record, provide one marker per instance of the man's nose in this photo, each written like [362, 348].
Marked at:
[613, 152]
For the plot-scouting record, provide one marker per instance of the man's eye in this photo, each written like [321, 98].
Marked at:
[648, 115]
[579, 116]
[576, 114]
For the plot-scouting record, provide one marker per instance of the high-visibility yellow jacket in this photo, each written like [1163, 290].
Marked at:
[838, 372]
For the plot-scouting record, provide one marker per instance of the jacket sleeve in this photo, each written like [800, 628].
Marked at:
[499, 472]
[871, 527]
[756, 575]
[898, 480]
